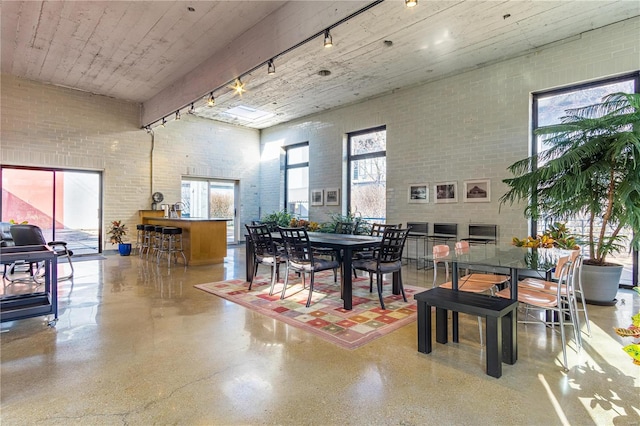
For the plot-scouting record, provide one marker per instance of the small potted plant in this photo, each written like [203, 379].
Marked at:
[116, 232]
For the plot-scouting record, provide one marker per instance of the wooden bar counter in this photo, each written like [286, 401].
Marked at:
[204, 240]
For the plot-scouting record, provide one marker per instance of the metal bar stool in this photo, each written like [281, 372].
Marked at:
[139, 237]
[147, 240]
[171, 245]
[156, 242]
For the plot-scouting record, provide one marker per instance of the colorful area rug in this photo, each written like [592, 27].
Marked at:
[325, 317]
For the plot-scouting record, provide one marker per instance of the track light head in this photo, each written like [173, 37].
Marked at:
[178, 116]
[328, 40]
[410, 3]
[192, 109]
[164, 121]
[211, 101]
[271, 68]
[238, 86]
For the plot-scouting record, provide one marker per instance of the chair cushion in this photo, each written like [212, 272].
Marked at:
[372, 266]
[318, 265]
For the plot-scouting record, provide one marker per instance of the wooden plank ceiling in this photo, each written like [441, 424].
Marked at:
[165, 56]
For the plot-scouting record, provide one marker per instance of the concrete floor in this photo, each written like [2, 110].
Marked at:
[138, 345]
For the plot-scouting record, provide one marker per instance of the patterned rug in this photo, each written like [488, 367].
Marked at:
[325, 317]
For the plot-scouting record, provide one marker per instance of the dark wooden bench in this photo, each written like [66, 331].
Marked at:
[500, 315]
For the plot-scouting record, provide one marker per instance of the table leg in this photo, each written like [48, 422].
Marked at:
[510, 337]
[494, 347]
[346, 278]
[454, 315]
[424, 328]
[442, 334]
[248, 260]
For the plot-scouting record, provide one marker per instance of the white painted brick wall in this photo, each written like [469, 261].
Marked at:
[469, 126]
[49, 126]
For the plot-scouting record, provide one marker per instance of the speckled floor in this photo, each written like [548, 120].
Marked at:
[138, 345]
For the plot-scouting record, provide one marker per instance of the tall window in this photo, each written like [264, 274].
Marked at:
[368, 174]
[296, 180]
[548, 108]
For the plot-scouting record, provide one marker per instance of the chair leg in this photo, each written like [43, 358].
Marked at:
[404, 297]
[310, 289]
[255, 271]
[273, 278]
[286, 281]
[480, 330]
[370, 282]
[379, 283]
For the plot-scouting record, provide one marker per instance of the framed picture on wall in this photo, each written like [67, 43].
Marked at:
[446, 192]
[332, 196]
[477, 191]
[418, 193]
[317, 197]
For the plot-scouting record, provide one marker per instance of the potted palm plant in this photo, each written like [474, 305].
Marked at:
[116, 232]
[591, 170]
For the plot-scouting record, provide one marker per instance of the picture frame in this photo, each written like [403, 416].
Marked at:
[332, 196]
[317, 197]
[477, 191]
[418, 193]
[445, 192]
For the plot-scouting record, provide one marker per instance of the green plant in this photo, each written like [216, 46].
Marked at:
[282, 218]
[363, 227]
[116, 232]
[592, 168]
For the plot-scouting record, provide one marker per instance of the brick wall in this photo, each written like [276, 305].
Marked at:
[468, 126]
[49, 126]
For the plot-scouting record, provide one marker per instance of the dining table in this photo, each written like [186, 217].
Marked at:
[345, 246]
[500, 259]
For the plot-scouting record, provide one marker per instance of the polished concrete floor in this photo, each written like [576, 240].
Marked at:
[138, 345]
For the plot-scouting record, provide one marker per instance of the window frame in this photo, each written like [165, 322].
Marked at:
[293, 166]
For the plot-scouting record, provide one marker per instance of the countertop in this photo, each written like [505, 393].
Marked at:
[187, 219]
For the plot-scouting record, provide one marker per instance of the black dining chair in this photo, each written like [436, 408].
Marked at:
[265, 252]
[300, 258]
[31, 235]
[386, 259]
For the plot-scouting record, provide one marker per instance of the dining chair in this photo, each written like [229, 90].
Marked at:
[31, 235]
[300, 258]
[340, 228]
[387, 259]
[462, 247]
[377, 230]
[575, 274]
[561, 302]
[265, 252]
[465, 283]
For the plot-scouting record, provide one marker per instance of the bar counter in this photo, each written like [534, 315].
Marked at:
[204, 240]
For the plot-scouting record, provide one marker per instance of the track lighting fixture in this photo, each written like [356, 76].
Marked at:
[192, 109]
[163, 122]
[211, 101]
[411, 3]
[271, 68]
[238, 87]
[148, 129]
[178, 115]
[328, 40]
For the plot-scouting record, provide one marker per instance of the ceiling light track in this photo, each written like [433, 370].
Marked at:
[236, 84]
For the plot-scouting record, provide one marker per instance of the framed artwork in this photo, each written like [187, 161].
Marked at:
[446, 192]
[418, 193]
[317, 197]
[332, 196]
[477, 191]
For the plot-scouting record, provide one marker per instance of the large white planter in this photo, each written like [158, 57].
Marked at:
[600, 283]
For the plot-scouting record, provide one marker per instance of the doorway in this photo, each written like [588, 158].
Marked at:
[65, 204]
[212, 199]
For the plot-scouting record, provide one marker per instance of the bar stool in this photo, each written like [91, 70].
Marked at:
[156, 241]
[171, 245]
[139, 237]
[147, 239]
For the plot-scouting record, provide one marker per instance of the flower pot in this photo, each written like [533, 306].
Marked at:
[124, 249]
[600, 283]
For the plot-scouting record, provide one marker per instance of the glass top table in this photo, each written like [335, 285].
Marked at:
[499, 258]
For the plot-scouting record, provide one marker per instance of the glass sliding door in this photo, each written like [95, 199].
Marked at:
[209, 199]
[65, 204]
